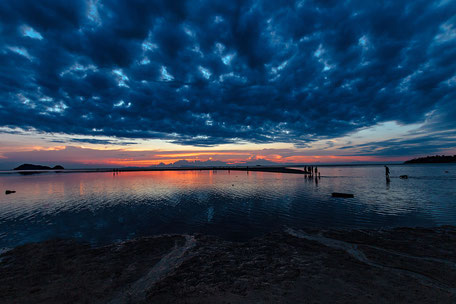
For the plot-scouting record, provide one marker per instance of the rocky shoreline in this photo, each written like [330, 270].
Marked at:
[403, 265]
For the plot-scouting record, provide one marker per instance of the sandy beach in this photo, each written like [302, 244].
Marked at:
[403, 265]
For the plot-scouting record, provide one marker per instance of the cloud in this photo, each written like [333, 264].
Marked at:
[101, 141]
[414, 144]
[211, 72]
[79, 157]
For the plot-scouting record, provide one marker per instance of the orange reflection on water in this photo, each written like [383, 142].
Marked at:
[123, 186]
[155, 179]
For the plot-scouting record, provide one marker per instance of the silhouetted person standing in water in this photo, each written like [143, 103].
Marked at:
[387, 173]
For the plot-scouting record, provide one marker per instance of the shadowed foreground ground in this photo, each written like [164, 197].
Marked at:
[313, 266]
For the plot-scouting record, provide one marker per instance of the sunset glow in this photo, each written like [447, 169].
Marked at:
[220, 151]
[112, 83]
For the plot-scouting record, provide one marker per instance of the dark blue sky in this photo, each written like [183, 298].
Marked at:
[205, 73]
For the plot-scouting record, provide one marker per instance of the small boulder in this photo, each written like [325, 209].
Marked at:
[345, 195]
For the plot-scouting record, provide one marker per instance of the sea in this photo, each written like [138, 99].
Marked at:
[105, 207]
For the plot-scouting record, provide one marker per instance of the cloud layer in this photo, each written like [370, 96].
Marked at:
[210, 72]
[77, 157]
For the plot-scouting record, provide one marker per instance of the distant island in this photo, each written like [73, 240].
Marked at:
[38, 167]
[437, 159]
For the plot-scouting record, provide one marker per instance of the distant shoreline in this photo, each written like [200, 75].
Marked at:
[437, 159]
[272, 169]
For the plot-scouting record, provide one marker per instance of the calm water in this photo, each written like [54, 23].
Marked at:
[102, 207]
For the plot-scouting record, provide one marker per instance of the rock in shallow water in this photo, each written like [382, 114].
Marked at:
[345, 195]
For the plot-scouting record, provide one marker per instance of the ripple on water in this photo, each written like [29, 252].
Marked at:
[101, 208]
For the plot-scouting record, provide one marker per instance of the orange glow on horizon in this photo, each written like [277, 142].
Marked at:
[297, 159]
[192, 154]
[79, 155]
[132, 162]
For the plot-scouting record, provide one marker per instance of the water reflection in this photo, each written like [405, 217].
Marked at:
[102, 207]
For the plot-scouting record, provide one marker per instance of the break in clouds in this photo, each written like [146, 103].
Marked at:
[211, 72]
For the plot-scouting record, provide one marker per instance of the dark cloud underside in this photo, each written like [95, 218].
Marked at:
[212, 72]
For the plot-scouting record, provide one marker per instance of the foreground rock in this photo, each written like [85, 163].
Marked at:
[313, 266]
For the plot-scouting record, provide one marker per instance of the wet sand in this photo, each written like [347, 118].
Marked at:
[404, 265]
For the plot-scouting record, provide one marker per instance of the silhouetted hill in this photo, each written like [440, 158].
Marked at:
[437, 159]
[37, 167]
[215, 163]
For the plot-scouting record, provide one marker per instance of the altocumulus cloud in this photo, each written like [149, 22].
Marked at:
[211, 72]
